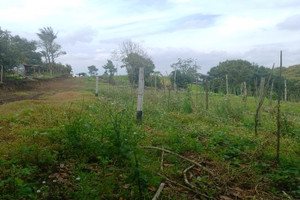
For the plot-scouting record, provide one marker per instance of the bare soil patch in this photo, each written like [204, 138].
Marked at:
[32, 89]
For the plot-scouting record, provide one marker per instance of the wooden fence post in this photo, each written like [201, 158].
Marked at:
[155, 84]
[261, 89]
[175, 81]
[255, 86]
[285, 91]
[96, 92]
[139, 114]
[206, 94]
[260, 103]
[271, 92]
[245, 92]
[1, 75]
[278, 111]
[227, 91]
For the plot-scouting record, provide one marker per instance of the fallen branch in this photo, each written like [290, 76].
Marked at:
[161, 187]
[180, 156]
[185, 187]
[162, 160]
[185, 177]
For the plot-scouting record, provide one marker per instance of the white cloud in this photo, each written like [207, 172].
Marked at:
[291, 23]
[210, 31]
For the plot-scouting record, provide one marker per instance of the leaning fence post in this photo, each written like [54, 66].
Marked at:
[271, 92]
[96, 92]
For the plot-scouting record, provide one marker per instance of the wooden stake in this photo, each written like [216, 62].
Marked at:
[96, 91]
[260, 103]
[206, 94]
[285, 91]
[256, 90]
[227, 91]
[262, 94]
[175, 81]
[245, 92]
[271, 92]
[278, 111]
[261, 88]
[139, 114]
[155, 84]
[1, 75]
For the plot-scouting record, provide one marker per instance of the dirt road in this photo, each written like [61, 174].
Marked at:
[34, 89]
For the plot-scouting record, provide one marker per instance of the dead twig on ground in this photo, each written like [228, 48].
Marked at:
[185, 177]
[161, 187]
[180, 156]
[185, 187]
[162, 159]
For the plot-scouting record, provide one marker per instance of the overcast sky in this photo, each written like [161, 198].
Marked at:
[210, 31]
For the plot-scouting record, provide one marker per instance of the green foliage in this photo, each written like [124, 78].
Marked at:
[187, 103]
[228, 110]
[50, 49]
[154, 80]
[186, 72]
[292, 76]
[238, 71]
[16, 50]
[80, 140]
[133, 62]
[286, 178]
[110, 68]
[91, 148]
[92, 70]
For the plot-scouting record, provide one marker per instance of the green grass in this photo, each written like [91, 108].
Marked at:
[82, 147]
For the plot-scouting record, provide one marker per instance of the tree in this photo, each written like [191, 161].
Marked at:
[292, 76]
[6, 53]
[133, 57]
[49, 49]
[62, 69]
[25, 51]
[138, 66]
[154, 79]
[15, 50]
[238, 71]
[133, 62]
[110, 69]
[185, 72]
[92, 70]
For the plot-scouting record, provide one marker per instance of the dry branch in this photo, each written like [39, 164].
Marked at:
[185, 177]
[161, 187]
[162, 160]
[185, 187]
[180, 156]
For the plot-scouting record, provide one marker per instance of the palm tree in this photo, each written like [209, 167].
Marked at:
[50, 49]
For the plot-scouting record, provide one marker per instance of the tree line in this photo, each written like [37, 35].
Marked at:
[16, 51]
[241, 74]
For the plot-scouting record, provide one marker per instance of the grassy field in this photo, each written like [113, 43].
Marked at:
[73, 145]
